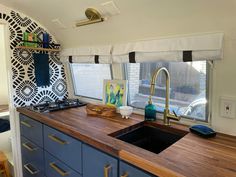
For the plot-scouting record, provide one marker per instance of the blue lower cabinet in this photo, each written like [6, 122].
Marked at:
[32, 159]
[63, 147]
[56, 168]
[98, 164]
[127, 170]
[47, 152]
[31, 129]
[29, 170]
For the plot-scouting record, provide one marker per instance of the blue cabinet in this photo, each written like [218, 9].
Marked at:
[32, 159]
[31, 129]
[47, 152]
[31, 147]
[98, 164]
[127, 170]
[56, 168]
[63, 147]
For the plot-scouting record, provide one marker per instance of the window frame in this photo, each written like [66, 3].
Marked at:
[73, 85]
[186, 118]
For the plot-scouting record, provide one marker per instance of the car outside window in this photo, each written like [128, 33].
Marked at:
[188, 87]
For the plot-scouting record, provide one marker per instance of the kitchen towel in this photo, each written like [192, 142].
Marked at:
[41, 69]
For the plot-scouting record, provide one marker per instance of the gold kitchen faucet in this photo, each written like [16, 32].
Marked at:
[167, 114]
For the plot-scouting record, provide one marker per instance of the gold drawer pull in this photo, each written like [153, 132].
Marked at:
[106, 170]
[29, 147]
[58, 169]
[32, 170]
[58, 140]
[26, 124]
[125, 175]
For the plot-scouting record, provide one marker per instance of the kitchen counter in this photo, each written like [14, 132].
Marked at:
[191, 156]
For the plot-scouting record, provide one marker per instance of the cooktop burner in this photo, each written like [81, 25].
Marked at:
[57, 105]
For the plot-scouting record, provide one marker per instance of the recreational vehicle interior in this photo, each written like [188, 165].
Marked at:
[117, 88]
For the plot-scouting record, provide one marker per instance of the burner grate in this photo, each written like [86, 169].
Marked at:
[57, 105]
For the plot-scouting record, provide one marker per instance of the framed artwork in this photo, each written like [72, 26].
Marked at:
[115, 92]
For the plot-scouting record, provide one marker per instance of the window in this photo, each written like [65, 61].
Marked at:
[88, 79]
[188, 87]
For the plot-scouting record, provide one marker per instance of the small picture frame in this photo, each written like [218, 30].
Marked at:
[115, 93]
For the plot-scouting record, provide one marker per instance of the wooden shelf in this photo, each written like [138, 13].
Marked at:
[38, 48]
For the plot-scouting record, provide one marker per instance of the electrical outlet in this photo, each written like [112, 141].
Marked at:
[227, 107]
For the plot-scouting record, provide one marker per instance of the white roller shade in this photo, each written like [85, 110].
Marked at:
[97, 54]
[189, 48]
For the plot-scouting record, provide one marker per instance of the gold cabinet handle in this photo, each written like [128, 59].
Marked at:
[31, 169]
[125, 175]
[29, 147]
[106, 170]
[26, 124]
[58, 140]
[58, 169]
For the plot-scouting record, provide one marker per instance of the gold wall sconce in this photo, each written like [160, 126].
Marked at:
[93, 17]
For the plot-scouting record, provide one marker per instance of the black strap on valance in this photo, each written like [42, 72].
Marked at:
[96, 59]
[187, 56]
[70, 59]
[132, 57]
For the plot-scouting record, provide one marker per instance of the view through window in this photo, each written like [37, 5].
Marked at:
[88, 79]
[188, 87]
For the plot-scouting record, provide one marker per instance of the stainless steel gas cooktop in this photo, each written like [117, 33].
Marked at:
[57, 105]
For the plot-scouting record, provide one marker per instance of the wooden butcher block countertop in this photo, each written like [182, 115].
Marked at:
[191, 156]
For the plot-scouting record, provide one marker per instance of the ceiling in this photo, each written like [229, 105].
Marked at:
[138, 19]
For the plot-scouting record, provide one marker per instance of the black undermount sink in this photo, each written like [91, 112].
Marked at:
[152, 137]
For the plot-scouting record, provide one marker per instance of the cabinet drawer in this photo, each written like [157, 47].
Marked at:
[31, 129]
[29, 170]
[32, 159]
[127, 170]
[64, 147]
[56, 168]
[30, 151]
[98, 164]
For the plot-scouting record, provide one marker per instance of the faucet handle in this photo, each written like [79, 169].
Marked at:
[173, 116]
[175, 113]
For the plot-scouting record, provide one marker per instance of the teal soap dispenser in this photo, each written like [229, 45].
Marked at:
[150, 111]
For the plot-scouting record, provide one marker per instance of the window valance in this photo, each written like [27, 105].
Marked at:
[188, 48]
[97, 54]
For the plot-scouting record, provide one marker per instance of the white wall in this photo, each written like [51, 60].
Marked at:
[5, 145]
[3, 72]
